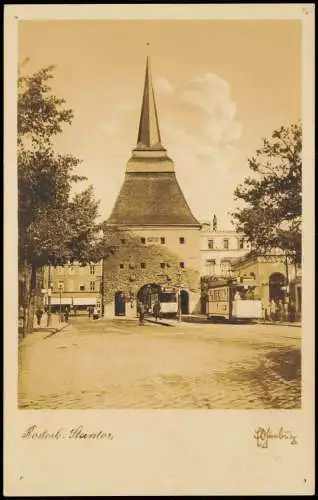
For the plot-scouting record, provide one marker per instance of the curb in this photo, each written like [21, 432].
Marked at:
[56, 330]
[162, 323]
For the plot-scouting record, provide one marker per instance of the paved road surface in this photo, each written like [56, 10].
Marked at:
[119, 364]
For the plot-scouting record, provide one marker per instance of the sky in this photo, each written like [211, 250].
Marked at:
[220, 87]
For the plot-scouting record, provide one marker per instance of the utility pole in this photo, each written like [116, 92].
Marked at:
[179, 286]
[49, 292]
[102, 289]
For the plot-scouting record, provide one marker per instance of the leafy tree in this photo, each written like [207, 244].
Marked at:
[53, 226]
[271, 213]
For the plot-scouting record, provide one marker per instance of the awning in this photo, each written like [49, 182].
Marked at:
[84, 301]
[56, 301]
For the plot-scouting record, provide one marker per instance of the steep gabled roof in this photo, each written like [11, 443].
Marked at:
[150, 194]
[151, 198]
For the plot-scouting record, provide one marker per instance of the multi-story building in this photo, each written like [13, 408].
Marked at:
[73, 285]
[219, 249]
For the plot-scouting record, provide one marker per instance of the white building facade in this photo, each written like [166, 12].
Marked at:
[219, 249]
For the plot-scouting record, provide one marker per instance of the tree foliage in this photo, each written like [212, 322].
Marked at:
[54, 227]
[271, 212]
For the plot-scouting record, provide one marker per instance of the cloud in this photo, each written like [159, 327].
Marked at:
[163, 85]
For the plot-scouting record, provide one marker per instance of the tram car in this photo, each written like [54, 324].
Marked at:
[233, 299]
[168, 299]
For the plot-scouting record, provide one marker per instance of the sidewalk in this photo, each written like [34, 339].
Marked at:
[202, 318]
[54, 327]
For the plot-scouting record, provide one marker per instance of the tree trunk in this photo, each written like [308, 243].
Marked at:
[31, 299]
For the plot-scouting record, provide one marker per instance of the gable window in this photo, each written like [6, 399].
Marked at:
[143, 265]
[143, 241]
[182, 240]
[211, 244]
[92, 286]
[162, 240]
[92, 269]
[226, 243]
[123, 241]
[121, 266]
[182, 265]
[162, 265]
[82, 288]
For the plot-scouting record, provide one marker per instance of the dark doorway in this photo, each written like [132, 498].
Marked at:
[276, 284]
[184, 299]
[120, 304]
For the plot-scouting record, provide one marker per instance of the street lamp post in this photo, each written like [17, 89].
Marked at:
[49, 291]
[179, 286]
[60, 289]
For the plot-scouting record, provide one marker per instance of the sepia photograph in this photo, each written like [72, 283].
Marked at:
[160, 214]
[159, 231]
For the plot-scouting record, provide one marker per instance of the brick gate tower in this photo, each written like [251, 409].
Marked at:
[151, 203]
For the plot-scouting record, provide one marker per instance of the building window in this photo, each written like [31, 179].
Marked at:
[226, 243]
[241, 243]
[182, 240]
[143, 265]
[162, 240]
[92, 286]
[82, 288]
[225, 267]
[162, 265]
[92, 269]
[143, 241]
[182, 265]
[211, 244]
[60, 286]
[123, 241]
[121, 266]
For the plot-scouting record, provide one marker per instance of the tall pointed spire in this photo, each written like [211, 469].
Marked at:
[149, 133]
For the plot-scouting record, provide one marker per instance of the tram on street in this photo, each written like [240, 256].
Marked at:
[233, 299]
[167, 297]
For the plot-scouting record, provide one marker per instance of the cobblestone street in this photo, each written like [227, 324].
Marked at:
[119, 364]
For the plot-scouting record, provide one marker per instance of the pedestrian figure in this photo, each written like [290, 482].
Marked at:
[267, 311]
[21, 312]
[273, 310]
[39, 314]
[286, 310]
[237, 295]
[280, 310]
[141, 309]
[90, 311]
[157, 309]
[95, 313]
[292, 311]
[250, 294]
[66, 315]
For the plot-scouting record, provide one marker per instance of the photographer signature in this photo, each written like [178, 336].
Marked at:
[264, 434]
